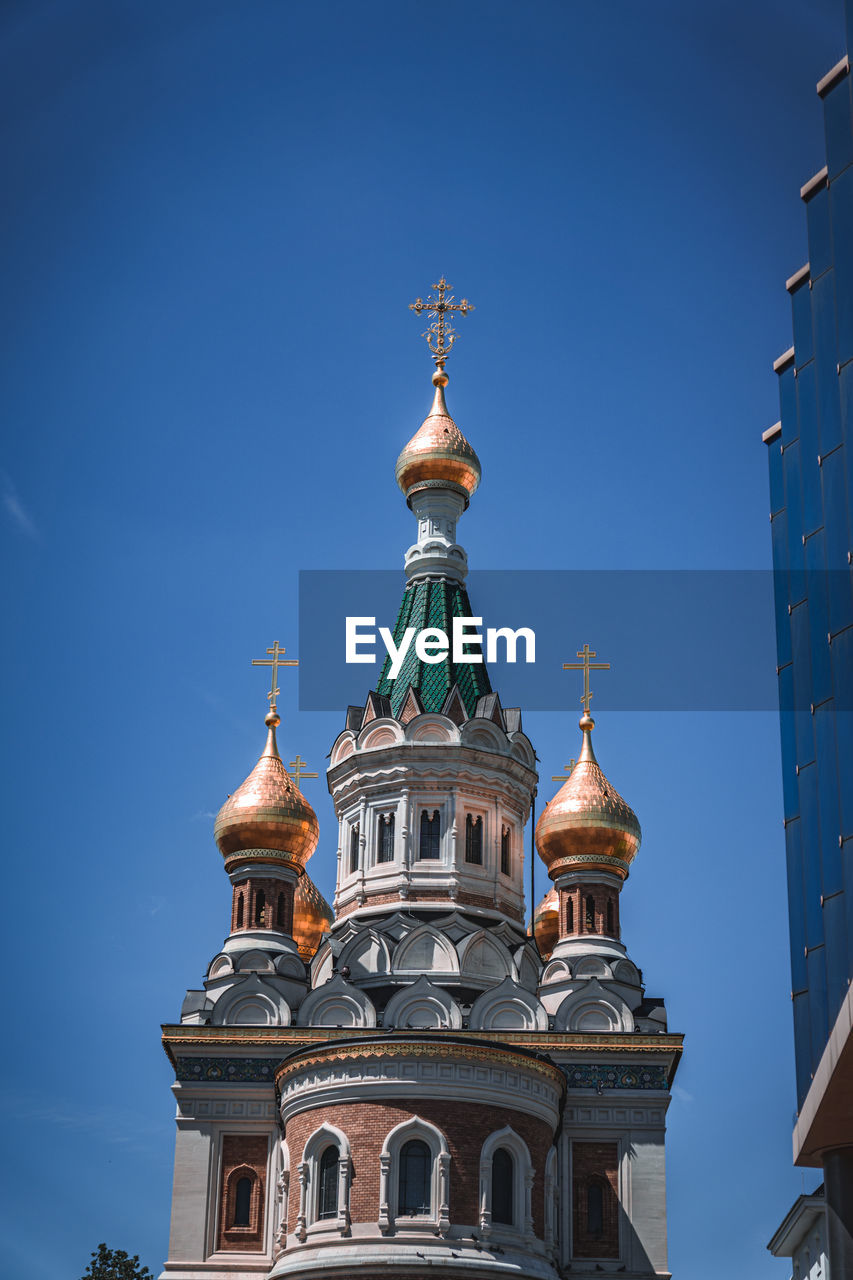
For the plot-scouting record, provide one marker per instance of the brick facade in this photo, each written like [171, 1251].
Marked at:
[463, 899]
[595, 1200]
[575, 917]
[262, 904]
[243, 1156]
[465, 1126]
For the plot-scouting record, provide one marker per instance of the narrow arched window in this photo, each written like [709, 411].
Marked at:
[503, 1189]
[385, 851]
[570, 916]
[242, 1202]
[279, 911]
[260, 909]
[589, 922]
[609, 915]
[239, 911]
[327, 1184]
[595, 1209]
[505, 858]
[474, 840]
[414, 1194]
[353, 847]
[430, 840]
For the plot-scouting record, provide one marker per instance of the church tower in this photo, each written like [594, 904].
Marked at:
[415, 1084]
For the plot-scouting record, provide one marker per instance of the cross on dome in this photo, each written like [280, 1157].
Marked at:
[440, 335]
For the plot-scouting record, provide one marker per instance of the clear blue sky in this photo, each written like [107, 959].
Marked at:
[215, 215]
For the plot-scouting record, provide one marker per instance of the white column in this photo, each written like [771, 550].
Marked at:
[384, 1179]
[302, 1216]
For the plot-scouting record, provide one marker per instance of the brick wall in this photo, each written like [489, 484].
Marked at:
[243, 1155]
[274, 911]
[595, 1191]
[465, 1126]
[601, 895]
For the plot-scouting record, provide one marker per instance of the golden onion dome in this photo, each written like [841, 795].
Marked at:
[267, 818]
[546, 922]
[587, 826]
[438, 452]
[312, 917]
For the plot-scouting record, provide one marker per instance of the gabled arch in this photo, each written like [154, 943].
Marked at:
[337, 1003]
[252, 1003]
[366, 955]
[431, 727]
[593, 1007]
[424, 1006]
[508, 1007]
[556, 971]
[255, 961]
[384, 731]
[592, 967]
[424, 950]
[414, 1129]
[481, 956]
[484, 735]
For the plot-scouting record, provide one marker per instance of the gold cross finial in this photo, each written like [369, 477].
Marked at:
[440, 335]
[298, 767]
[275, 662]
[586, 666]
[561, 777]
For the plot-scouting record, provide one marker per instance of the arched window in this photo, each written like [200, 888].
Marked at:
[503, 1189]
[430, 835]
[239, 911]
[589, 922]
[279, 912]
[260, 909]
[570, 916]
[385, 851]
[609, 915]
[415, 1179]
[327, 1184]
[505, 856]
[595, 1209]
[242, 1202]
[354, 835]
[474, 840]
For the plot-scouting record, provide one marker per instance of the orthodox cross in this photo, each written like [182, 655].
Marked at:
[299, 771]
[586, 666]
[275, 662]
[440, 335]
[561, 777]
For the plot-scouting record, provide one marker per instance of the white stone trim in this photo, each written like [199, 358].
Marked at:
[439, 1215]
[522, 1185]
[323, 1137]
[371, 1079]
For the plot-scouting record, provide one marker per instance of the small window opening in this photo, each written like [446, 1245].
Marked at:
[354, 836]
[505, 858]
[260, 909]
[242, 1202]
[589, 922]
[239, 911]
[385, 852]
[415, 1176]
[595, 1209]
[503, 1175]
[430, 835]
[327, 1205]
[474, 840]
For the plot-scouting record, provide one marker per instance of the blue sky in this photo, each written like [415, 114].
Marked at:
[215, 216]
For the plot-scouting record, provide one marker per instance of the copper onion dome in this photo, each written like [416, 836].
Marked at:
[438, 451]
[268, 817]
[546, 922]
[587, 825]
[312, 917]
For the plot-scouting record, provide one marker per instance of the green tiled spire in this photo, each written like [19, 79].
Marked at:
[433, 603]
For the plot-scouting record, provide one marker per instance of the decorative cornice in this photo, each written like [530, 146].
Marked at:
[600, 1076]
[225, 1070]
[405, 1047]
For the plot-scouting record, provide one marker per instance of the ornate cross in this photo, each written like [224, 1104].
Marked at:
[299, 771]
[586, 666]
[275, 662]
[440, 335]
[561, 777]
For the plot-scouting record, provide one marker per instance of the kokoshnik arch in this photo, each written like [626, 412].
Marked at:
[414, 1083]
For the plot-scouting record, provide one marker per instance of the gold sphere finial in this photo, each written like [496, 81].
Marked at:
[440, 378]
[586, 722]
[272, 719]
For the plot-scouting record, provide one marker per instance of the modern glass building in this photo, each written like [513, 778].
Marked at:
[811, 486]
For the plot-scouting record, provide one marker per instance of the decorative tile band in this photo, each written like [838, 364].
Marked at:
[600, 1077]
[226, 1070]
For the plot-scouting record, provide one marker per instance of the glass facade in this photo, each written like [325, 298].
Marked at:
[811, 485]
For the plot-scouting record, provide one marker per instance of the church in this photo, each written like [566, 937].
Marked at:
[414, 1083]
